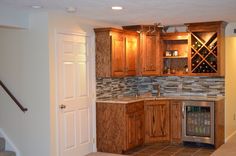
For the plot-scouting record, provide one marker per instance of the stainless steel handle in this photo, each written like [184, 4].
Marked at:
[62, 106]
[183, 111]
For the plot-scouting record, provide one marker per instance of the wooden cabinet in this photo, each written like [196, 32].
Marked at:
[119, 126]
[219, 123]
[200, 51]
[135, 129]
[116, 52]
[176, 121]
[174, 53]
[149, 53]
[135, 124]
[131, 50]
[150, 56]
[206, 48]
[157, 121]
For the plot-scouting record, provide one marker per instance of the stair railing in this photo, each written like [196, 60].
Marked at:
[13, 97]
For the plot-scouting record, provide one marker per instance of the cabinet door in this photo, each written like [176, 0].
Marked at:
[157, 121]
[150, 54]
[139, 127]
[176, 121]
[131, 49]
[118, 55]
[131, 125]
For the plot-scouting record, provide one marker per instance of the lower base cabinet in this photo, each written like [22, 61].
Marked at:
[120, 127]
[176, 121]
[135, 129]
[157, 121]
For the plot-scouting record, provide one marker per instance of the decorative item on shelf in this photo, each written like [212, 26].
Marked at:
[185, 69]
[173, 71]
[168, 71]
[165, 70]
[175, 52]
[168, 53]
[171, 53]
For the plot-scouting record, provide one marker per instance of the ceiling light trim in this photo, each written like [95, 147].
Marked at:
[36, 6]
[117, 7]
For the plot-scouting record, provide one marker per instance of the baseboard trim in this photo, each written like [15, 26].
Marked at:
[9, 144]
[227, 139]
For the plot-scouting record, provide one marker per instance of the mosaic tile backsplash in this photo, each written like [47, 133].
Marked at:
[170, 86]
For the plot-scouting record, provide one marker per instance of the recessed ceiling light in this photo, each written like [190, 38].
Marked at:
[117, 8]
[36, 6]
[71, 9]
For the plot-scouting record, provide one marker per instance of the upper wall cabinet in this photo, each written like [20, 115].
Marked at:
[116, 52]
[149, 56]
[206, 48]
[198, 52]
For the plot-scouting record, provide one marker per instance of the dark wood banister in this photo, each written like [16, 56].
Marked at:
[13, 97]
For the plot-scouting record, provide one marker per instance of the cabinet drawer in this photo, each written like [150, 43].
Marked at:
[134, 107]
[156, 102]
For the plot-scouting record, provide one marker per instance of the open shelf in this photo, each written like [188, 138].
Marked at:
[174, 57]
[175, 53]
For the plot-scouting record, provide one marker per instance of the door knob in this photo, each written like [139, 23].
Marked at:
[62, 106]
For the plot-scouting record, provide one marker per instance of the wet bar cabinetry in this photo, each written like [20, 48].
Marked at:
[125, 125]
[152, 52]
[116, 52]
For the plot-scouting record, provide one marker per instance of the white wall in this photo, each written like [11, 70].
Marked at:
[24, 68]
[230, 79]
[13, 18]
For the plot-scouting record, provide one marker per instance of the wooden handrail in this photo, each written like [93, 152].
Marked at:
[13, 97]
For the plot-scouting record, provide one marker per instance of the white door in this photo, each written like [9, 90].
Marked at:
[74, 100]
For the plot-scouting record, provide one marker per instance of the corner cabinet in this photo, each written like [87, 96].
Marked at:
[120, 127]
[116, 52]
[135, 124]
[206, 48]
[157, 121]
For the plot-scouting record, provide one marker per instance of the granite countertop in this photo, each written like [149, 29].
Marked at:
[131, 99]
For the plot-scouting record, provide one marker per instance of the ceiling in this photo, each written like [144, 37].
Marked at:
[168, 12]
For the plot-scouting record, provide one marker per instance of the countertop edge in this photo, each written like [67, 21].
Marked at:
[126, 100]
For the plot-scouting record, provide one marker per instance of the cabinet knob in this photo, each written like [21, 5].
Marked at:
[62, 106]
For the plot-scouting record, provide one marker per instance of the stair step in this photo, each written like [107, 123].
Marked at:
[7, 153]
[2, 144]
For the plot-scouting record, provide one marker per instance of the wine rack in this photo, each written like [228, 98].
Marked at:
[204, 52]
